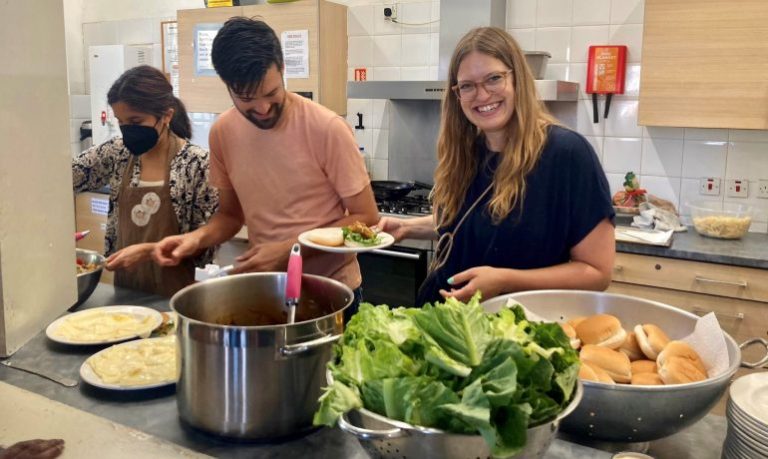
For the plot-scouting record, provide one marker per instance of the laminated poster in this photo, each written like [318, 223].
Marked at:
[204, 35]
[296, 53]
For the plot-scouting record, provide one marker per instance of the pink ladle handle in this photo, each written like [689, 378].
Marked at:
[293, 282]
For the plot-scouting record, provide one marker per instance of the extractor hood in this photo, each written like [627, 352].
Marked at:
[457, 17]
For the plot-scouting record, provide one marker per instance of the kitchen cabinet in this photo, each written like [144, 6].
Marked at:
[705, 64]
[326, 24]
[737, 295]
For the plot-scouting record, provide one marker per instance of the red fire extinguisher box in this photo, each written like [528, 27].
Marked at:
[606, 68]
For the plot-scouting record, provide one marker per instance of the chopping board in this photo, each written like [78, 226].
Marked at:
[25, 416]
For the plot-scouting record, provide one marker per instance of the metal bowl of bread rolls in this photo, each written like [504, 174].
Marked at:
[640, 382]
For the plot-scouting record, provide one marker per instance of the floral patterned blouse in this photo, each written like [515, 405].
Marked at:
[193, 199]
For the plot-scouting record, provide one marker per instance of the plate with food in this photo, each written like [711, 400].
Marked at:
[356, 237]
[104, 325]
[138, 364]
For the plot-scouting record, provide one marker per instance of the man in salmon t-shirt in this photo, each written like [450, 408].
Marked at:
[282, 163]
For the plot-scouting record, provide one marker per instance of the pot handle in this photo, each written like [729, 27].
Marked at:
[750, 342]
[369, 434]
[290, 350]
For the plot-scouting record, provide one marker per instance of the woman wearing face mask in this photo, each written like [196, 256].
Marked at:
[521, 203]
[158, 181]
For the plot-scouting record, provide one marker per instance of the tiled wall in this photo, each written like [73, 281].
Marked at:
[669, 161]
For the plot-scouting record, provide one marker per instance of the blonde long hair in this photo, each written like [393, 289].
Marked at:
[457, 162]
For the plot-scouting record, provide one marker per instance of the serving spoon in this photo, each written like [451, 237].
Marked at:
[64, 381]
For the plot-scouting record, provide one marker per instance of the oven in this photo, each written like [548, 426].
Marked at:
[393, 275]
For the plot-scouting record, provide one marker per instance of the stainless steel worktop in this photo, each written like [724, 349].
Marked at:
[154, 410]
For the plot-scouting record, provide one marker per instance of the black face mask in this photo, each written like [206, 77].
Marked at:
[139, 139]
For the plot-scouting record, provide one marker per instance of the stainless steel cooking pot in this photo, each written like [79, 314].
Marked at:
[245, 373]
[624, 413]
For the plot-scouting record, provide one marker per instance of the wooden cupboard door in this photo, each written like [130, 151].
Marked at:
[705, 64]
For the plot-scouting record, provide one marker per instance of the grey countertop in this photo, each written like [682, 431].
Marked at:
[154, 410]
[751, 251]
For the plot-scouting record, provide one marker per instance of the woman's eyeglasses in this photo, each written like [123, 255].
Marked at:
[493, 84]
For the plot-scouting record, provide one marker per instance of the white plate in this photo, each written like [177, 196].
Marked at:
[140, 312]
[92, 378]
[750, 394]
[386, 240]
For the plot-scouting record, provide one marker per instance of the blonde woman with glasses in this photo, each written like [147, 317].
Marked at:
[521, 203]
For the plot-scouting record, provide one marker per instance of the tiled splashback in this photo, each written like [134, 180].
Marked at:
[669, 161]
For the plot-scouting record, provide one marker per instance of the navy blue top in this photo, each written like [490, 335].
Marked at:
[566, 196]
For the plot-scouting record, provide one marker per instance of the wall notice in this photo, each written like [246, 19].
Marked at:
[296, 53]
[204, 35]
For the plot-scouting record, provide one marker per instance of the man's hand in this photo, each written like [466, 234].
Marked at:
[484, 278]
[271, 256]
[172, 249]
[34, 449]
[129, 257]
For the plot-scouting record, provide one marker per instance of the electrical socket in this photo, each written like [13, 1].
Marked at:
[709, 186]
[390, 12]
[762, 188]
[737, 188]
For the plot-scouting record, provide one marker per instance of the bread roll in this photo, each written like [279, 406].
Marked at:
[643, 366]
[684, 350]
[331, 237]
[613, 362]
[680, 370]
[631, 348]
[597, 374]
[601, 330]
[575, 321]
[651, 339]
[646, 379]
[571, 334]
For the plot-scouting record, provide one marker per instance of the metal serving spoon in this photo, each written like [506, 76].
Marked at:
[64, 381]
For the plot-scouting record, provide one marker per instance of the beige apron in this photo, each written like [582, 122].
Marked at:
[146, 215]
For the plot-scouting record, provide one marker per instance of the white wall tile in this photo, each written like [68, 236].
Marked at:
[627, 11]
[591, 12]
[663, 132]
[663, 157]
[630, 35]
[414, 73]
[80, 106]
[360, 52]
[363, 106]
[704, 158]
[432, 75]
[663, 187]
[622, 119]
[738, 135]
[631, 82]
[435, 17]
[578, 72]
[99, 33]
[716, 135]
[747, 160]
[556, 40]
[380, 114]
[364, 138]
[689, 193]
[584, 37]
[434, 49]
[416, 49]
[360, 20]
[621, 155]
[551, 13]
[584, 125]
[556, 72]
[387, 50]
[415, 13]
[137, 31]
[380, 147]
[382, 27]
[525, 38]
[521, 14]
[597, 144]
[386, 73]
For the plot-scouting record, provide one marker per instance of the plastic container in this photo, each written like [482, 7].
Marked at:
[722, 220]
[537, 61]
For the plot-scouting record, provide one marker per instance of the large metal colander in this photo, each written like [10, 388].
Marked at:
[386, 438]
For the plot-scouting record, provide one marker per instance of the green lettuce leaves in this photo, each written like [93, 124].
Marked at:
[452, 366]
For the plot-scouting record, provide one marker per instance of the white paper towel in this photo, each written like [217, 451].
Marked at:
[707, 339]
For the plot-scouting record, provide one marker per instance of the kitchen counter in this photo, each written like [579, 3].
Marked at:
[751, 251]
[154, 410]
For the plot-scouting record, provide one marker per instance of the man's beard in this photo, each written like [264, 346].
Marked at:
[276, 110]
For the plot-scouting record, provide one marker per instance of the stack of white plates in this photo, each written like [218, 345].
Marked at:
[747, 414]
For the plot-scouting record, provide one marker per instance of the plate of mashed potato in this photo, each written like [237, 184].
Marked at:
[104, 325]
[138, 364]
